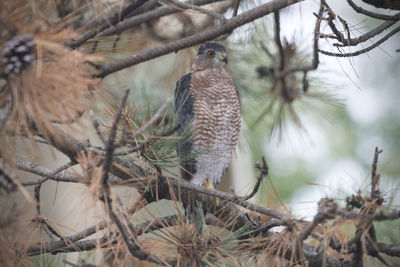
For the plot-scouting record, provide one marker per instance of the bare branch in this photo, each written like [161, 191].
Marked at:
[326, 210]
[195, 39]
[263, 173]
[359, 9]
[129, 241]
[375, 176]
[68, 177]
[277, 39]
[362, 51]
[105, 24]
[148, 16]
[365, 37]
[162, 185]
[46, 247]
[49, 175]
[184, 5]
[315, 61]
[111, 139]
[56, 247]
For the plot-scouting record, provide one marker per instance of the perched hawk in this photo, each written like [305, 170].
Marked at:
[208, 110]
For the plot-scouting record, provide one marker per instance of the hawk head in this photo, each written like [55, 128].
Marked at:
[210, 55]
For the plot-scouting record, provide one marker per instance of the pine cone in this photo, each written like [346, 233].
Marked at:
[18, 54]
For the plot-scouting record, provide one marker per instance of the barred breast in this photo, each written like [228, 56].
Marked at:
[216, 125]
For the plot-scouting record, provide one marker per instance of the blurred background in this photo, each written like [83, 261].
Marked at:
[353, 107]
[321, 144]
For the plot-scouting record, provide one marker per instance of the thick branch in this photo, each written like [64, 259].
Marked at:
[166, 188]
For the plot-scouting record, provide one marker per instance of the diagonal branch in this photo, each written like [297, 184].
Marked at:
[129, 241]
[195, 39]
[104, 25]
[111, 139]
[148, 16]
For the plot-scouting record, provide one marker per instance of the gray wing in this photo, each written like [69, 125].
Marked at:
[185, 115]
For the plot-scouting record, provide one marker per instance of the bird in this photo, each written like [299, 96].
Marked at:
[208, 115]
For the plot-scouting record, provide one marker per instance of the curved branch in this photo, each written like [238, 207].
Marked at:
[104, 25]
[362, 51]
[365, 37]
[361, 10]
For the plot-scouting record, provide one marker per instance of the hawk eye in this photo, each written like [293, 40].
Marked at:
[211, 54]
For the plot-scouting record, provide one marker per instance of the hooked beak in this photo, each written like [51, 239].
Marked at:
[224, 58]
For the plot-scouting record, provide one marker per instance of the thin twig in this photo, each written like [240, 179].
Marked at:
[359, 9]
[67, 177]
[148, 142]
[150, 122]
[365, 37]
[236, 8]
[326, 210]
[56, 247]
[37, 198]
[315, 61]
[50, 175]
[129, 241]
[184, 5]
[374, 175]
[149, 16]
[263, 173]
[362, 51]
[104, 25]
[111, 139]
[155, 224]
[197, 38]
[96, 126]
[394, 215]
[277, 39]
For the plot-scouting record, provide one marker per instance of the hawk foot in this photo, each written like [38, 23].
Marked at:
[209, 185]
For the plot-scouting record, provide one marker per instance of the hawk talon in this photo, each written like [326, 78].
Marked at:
[209, 185]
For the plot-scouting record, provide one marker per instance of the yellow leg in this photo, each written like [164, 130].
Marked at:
[209, 185]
